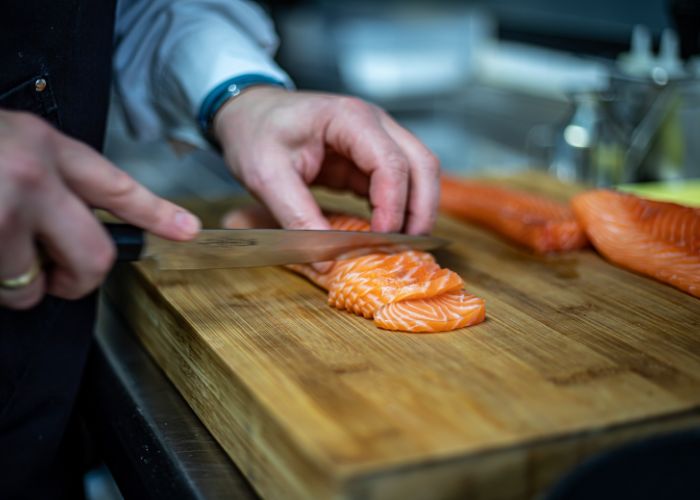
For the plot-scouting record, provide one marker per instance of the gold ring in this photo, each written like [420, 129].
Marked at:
[23, 279]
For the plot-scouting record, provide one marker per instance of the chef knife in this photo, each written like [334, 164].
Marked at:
[223, 248]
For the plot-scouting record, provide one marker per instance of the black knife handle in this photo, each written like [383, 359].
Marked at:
[128, 239]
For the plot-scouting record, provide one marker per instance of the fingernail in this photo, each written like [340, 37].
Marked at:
[187, 222]
[322, 267]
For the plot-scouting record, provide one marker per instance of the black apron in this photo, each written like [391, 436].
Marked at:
[55, 60]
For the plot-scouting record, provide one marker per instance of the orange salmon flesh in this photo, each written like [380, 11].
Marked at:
[405, 291]
[655, 238]
[533, 221]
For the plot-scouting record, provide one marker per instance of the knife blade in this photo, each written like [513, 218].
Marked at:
[224, 248]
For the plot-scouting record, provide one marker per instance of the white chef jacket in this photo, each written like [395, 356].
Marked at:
[169, 54]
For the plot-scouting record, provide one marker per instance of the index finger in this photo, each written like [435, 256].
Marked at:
[102, 185]
[356, 132]
[280, 187]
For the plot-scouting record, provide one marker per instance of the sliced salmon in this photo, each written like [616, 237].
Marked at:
[536, 222]
[658, 239]
[404, 291]
[444, 312]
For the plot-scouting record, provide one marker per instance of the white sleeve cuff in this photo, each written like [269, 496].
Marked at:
[172, 55]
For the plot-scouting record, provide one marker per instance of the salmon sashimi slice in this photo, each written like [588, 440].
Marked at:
[654, 238]
[538, 223]
[440, 313]
[403, 291]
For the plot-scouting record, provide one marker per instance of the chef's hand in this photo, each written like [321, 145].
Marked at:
[278, 142]
[48, 182]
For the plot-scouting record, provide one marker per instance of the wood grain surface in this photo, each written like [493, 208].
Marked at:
[575, 356]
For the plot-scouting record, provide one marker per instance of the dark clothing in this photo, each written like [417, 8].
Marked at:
[43, 351]
[68, 43]
[42, 355]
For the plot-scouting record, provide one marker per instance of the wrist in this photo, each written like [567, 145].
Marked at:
[224, 94]
[237, 113]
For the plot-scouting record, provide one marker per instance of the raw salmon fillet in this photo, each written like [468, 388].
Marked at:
[536, 222]
[404, 291]
[655, 238]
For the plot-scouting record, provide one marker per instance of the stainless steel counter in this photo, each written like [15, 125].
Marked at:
[152, 442]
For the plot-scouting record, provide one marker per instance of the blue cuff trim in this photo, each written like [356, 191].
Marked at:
[225, 91]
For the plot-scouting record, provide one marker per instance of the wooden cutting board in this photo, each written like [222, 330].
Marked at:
[576, 355]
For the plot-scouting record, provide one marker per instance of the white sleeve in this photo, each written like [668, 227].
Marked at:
[170, 54]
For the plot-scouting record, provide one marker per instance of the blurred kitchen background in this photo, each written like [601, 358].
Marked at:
[599, 91]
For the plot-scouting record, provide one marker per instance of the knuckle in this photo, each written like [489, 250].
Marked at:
[30, 121]
[352, 104]
[258, 180]
[25, 171]
[87, 271]
[32, 127]
[396, 162]
[76, 288]
[102, 258]
[64, 283]
[122, 184]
